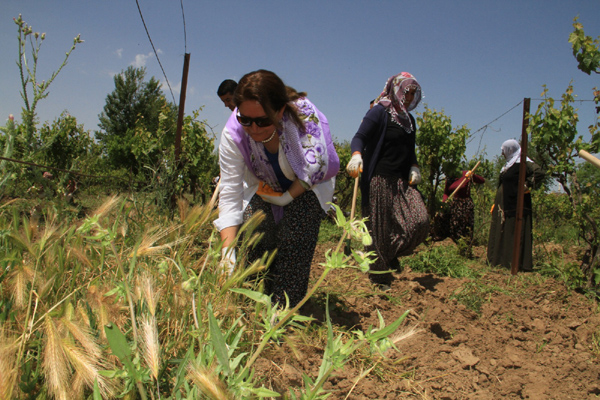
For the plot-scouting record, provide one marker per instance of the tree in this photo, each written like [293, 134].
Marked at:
[133, 103]
[199, 162]
[589, 179]
[554, 135]
[156, 154]
[65, 143]
[441, 149]
[585, 49]
[587, 53]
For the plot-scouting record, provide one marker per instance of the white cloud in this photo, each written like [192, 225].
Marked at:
[140, 60]
[119, 53]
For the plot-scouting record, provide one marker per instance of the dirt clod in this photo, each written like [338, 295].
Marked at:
[532, 338]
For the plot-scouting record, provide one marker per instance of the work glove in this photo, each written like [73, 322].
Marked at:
[468, 174]
[227, 262]
[414, 176]
[355, 165]
[282, 200]
[270, 196]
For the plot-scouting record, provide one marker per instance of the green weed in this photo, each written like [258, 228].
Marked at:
[557, 267]
[473, 295]
[596, 343]
[442, 261]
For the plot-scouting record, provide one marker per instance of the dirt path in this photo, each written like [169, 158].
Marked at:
[533, 339]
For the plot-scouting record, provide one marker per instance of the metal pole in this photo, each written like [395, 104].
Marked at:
[521, 190]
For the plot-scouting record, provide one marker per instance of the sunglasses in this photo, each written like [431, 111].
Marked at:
[261, 122]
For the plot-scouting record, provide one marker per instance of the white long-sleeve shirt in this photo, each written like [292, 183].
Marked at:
[238, 184]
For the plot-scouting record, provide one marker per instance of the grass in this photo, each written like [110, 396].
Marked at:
[112, 297]
[125, 301]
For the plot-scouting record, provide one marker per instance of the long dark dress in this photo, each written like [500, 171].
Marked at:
[502, 230]
[397, 216]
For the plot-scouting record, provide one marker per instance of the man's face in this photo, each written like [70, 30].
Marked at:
[227, 99]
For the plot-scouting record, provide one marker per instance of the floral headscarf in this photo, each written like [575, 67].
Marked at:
[393, 95]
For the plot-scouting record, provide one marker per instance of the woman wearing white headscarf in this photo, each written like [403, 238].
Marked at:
[504, 212]
[385, 140]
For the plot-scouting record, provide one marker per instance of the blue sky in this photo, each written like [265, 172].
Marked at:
[475, 59]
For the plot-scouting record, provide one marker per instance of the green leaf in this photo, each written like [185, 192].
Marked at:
[96, 395]
[256, 296]
[120, 348]
[264, 392]
[182, 370]
[388, 330]
[340, 219]
[218, 341]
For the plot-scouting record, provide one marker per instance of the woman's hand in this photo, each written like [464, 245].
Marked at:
[355, 165]
[414, 176]
[228, 259]
[267, 193]
[282, 199]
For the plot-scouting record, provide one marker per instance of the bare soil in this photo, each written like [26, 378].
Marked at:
[533, 338]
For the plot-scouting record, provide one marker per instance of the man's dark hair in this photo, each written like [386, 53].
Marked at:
[227, 86]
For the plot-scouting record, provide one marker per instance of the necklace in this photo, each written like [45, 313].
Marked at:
[270, 137]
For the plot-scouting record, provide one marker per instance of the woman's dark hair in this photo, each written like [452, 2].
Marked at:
[272, 94]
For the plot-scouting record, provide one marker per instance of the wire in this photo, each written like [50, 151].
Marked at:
[184, 30]
[489, 123]
[154, 49]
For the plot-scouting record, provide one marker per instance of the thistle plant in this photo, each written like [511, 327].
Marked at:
[32, 90]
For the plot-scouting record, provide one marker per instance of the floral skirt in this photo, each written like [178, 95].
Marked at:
[457, 221]
[295, 238]
[398, 222]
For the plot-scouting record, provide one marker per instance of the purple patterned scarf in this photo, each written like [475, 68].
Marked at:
[310, 153]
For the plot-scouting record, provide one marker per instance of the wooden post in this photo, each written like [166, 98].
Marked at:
[181, 113]
[589, 158]
[186, 65]
[521, 190]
